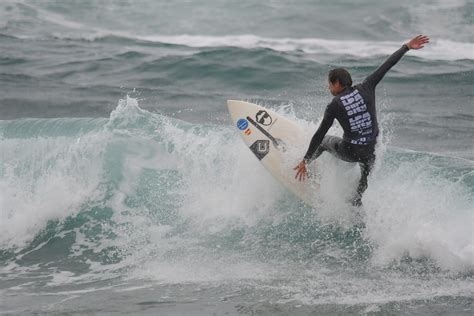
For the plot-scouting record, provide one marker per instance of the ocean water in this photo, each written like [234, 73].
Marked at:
[125, 188]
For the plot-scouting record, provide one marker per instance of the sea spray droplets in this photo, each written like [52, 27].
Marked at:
[164, 186]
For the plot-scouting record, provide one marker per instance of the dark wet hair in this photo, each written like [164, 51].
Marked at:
[341, 75]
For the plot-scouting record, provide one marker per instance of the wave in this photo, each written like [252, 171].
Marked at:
[441, 48]
[139, 187]
[438, 49]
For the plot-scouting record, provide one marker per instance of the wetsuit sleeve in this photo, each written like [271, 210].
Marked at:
[372, 80]
[326, 123]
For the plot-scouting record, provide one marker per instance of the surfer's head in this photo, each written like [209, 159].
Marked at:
[339, 79]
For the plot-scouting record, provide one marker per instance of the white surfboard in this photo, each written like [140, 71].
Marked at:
[277, 142]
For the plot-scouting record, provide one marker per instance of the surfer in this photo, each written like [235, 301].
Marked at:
[354, 108]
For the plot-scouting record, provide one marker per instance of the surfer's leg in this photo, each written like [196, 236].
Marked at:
[338, 147]
[365, 168]
[326, 145]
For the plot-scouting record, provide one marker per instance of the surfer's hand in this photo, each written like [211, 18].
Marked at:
[418, 42]
[302, 172]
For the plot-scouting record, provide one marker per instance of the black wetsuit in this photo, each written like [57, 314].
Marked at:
[355, 110]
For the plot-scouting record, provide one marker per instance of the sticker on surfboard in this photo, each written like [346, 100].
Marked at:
[262, 117]
[260, 148]
[242, 124]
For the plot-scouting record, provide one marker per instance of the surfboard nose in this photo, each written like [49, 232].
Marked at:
[231, 105]
[237, 106]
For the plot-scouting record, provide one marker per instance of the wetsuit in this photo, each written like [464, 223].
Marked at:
[354, 108]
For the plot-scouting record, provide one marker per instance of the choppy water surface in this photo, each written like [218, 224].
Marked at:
[125, 189]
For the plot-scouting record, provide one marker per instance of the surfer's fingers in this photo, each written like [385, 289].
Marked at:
[303, 174]
[423, 40]
[297, 174]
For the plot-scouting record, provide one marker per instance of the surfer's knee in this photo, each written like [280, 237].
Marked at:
[324, 146]
[331, 143]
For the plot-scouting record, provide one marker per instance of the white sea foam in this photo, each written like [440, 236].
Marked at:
[449, 19]
[382, 288]
[45, 179]
[439, 49]
[411, 209]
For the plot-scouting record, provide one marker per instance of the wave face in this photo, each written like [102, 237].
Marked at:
[144, 196]
[157, 201]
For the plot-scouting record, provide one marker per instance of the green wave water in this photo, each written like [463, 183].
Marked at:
[155, 206]
[142, 196]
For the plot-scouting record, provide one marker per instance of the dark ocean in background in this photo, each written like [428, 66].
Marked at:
[125, 188]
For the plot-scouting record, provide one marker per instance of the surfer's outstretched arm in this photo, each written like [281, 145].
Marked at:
[415, 43]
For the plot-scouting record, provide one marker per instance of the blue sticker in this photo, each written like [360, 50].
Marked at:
[242, 124]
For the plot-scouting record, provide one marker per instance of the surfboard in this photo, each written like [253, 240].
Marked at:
[277, 142]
